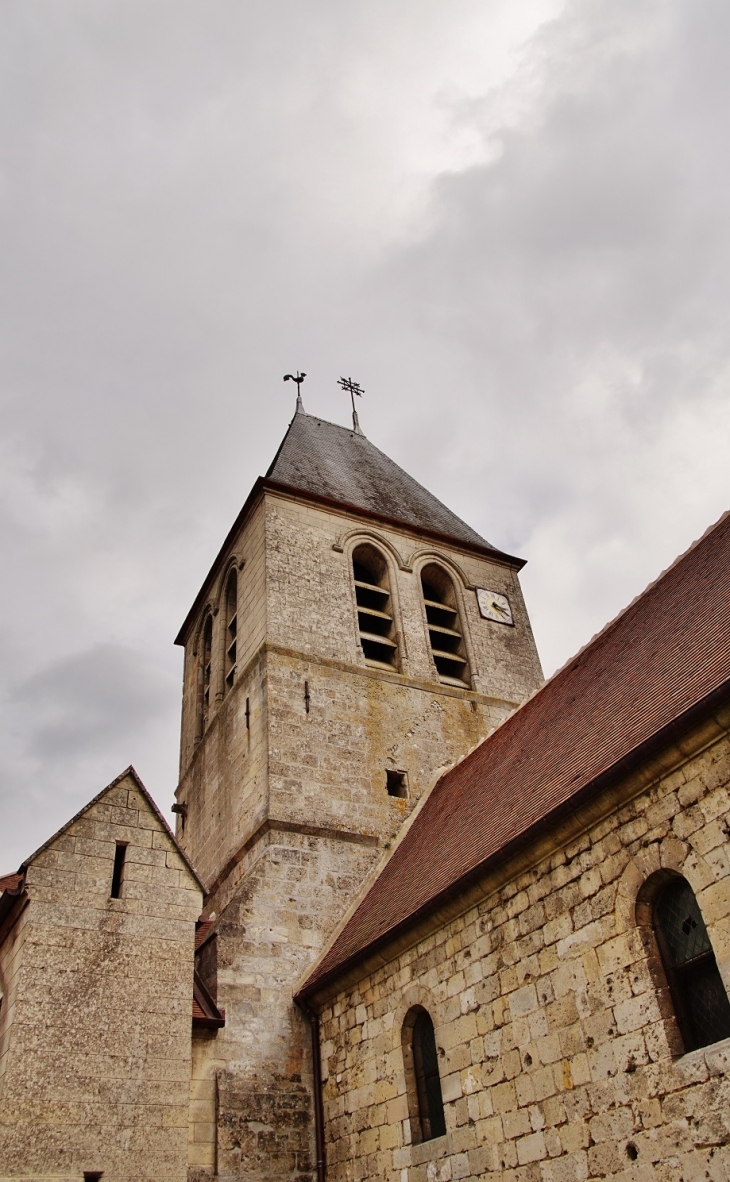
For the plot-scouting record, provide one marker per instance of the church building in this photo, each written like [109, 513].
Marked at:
[424, 917]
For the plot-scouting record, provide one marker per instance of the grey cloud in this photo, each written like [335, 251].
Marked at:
[90, 701]
[195, 200]
[71, 727]
[579, 284]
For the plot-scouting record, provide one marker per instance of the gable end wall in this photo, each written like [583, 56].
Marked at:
[97, 1064]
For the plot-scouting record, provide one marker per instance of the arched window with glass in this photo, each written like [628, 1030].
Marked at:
[423, 1081]
[698, 992]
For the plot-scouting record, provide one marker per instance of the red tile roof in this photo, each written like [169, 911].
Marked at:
[202, 928]
[205, 1011]
[662, 658]
[12, 883]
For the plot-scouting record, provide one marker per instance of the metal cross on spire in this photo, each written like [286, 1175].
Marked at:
[289, 377]
[353, 388]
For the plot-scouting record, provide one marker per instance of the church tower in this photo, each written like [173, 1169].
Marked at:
[352, 637]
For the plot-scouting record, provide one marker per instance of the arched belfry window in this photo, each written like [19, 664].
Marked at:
[445, 632]
[231, 627]
[699, 995]
[374, 607]
[423, 1082]
[206, 659]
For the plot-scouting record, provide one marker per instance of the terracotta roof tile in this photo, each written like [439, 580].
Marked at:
[662, 657]
[202, 929]
[12, 883]
[205, 1012]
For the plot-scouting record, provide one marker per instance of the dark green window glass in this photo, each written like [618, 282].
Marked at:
[428, 1081]
[699, 995]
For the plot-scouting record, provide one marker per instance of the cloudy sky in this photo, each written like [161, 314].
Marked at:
[508, 221]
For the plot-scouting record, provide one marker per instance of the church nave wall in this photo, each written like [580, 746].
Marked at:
[559, 1053]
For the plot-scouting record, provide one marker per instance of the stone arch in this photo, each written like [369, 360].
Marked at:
[455, 576]
[208, 610]
[233, 563]
[393, 562]
[425, 555]
[347, 542]
[415, 995]
[669, 855]
[413, 1001]
[230, 572]
[641, 881]
[205, 647]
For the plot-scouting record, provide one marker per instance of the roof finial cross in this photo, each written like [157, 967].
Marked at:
[289, 377]
[353, 388]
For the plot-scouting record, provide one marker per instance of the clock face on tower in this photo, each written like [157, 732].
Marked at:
[493, 606]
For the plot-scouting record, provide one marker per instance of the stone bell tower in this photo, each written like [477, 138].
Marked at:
[352, 637]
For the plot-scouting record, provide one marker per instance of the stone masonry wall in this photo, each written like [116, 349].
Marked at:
[12, 940]
[559, 1055]
[327, 766]
[98, 1058]
[297, 623]
[254, 1076]
[247, 553]
[285, 820]
[311, 604]
[225, 788]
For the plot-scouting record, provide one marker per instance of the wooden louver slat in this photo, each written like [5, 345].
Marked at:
[444, 630]
[374, 611]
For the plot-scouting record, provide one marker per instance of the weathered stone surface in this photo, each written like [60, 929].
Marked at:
[289, 814]
[559, 1055]
[96, 1016]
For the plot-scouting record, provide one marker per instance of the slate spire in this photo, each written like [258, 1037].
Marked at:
[341, 464]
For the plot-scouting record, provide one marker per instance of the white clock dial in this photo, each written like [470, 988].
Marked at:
[493, 606]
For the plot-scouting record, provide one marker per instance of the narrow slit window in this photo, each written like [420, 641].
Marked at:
[375, 623]
[698, 992]
[445, 633]
[231, 627]
[120, 855]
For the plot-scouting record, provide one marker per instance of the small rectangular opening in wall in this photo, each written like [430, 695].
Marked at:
[396, 783]
[93, 1175]
[120, 854]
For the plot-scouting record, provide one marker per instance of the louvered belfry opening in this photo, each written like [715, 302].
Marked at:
[207, 657]
[231, 627]
[444, 627]
[374, 608]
